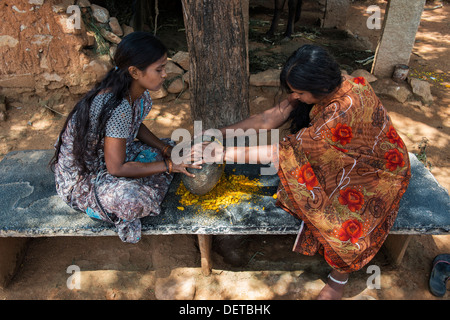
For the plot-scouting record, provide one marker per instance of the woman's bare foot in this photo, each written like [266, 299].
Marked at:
[334, 289]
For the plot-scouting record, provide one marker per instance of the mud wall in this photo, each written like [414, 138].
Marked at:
[41, 56]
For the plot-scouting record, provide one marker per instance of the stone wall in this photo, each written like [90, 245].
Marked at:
[41, 56]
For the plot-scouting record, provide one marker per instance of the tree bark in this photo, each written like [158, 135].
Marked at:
[219, 71]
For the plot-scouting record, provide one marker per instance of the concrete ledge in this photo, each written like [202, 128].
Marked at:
[425, 206]
[30, 206]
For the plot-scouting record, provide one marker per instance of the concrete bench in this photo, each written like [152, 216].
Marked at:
[30, 208]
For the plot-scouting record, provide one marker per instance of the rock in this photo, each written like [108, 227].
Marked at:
[90, 39]
[55, 85]
[186, 95]
[416, 104]
[8, 41]
[182, 58]
[100, 14]
[112, 50]
[268, 78]
[161, 93]
[98, 68]
[421, 89]
[83, 3]
[115, 26]
[364, 73]
[392, 89]
[399, 93]
[36, 2]
[176, 86]
[186, 77]
[52, 77]
[127, 30]
[67, 26]
[59, 8]
[111, 37]
[173, 70]
[42, 39]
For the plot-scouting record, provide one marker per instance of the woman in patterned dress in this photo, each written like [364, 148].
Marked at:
[343, 169]
[100, 168]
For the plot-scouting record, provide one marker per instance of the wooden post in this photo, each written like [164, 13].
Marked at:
[204, 242]
[396, 245]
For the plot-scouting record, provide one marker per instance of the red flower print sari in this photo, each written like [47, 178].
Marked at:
[344, 176]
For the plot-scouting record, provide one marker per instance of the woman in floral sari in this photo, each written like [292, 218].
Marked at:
[344, 168]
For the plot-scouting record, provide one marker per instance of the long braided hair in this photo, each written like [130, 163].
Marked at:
[139, 49]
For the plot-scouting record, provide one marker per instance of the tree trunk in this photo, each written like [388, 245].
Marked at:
[219, 71]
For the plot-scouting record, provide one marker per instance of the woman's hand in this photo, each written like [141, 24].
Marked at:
[191, 159]
[206, 152]
[182, 168]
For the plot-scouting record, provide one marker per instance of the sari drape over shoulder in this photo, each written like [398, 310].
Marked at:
[344, 176]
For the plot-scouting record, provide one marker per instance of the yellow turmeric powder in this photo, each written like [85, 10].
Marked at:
[229, 190]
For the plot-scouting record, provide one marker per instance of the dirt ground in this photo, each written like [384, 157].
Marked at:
[167, 267]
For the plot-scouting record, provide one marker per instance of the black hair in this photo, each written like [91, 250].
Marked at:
[310, 68]
[139, 49]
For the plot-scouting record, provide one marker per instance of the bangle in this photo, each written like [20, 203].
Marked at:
[165, 149]
[218, 141]
[170, 166]
[167, 168]
[224, 150]
[337, 281]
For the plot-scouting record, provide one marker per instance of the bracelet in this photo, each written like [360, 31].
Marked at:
[165, 149]
[218, 141]
[337, 281]
[167, 168]
[170, 166]
[223, 148]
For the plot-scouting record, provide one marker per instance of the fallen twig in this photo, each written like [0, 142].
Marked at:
[64, 115]
[434, 8]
